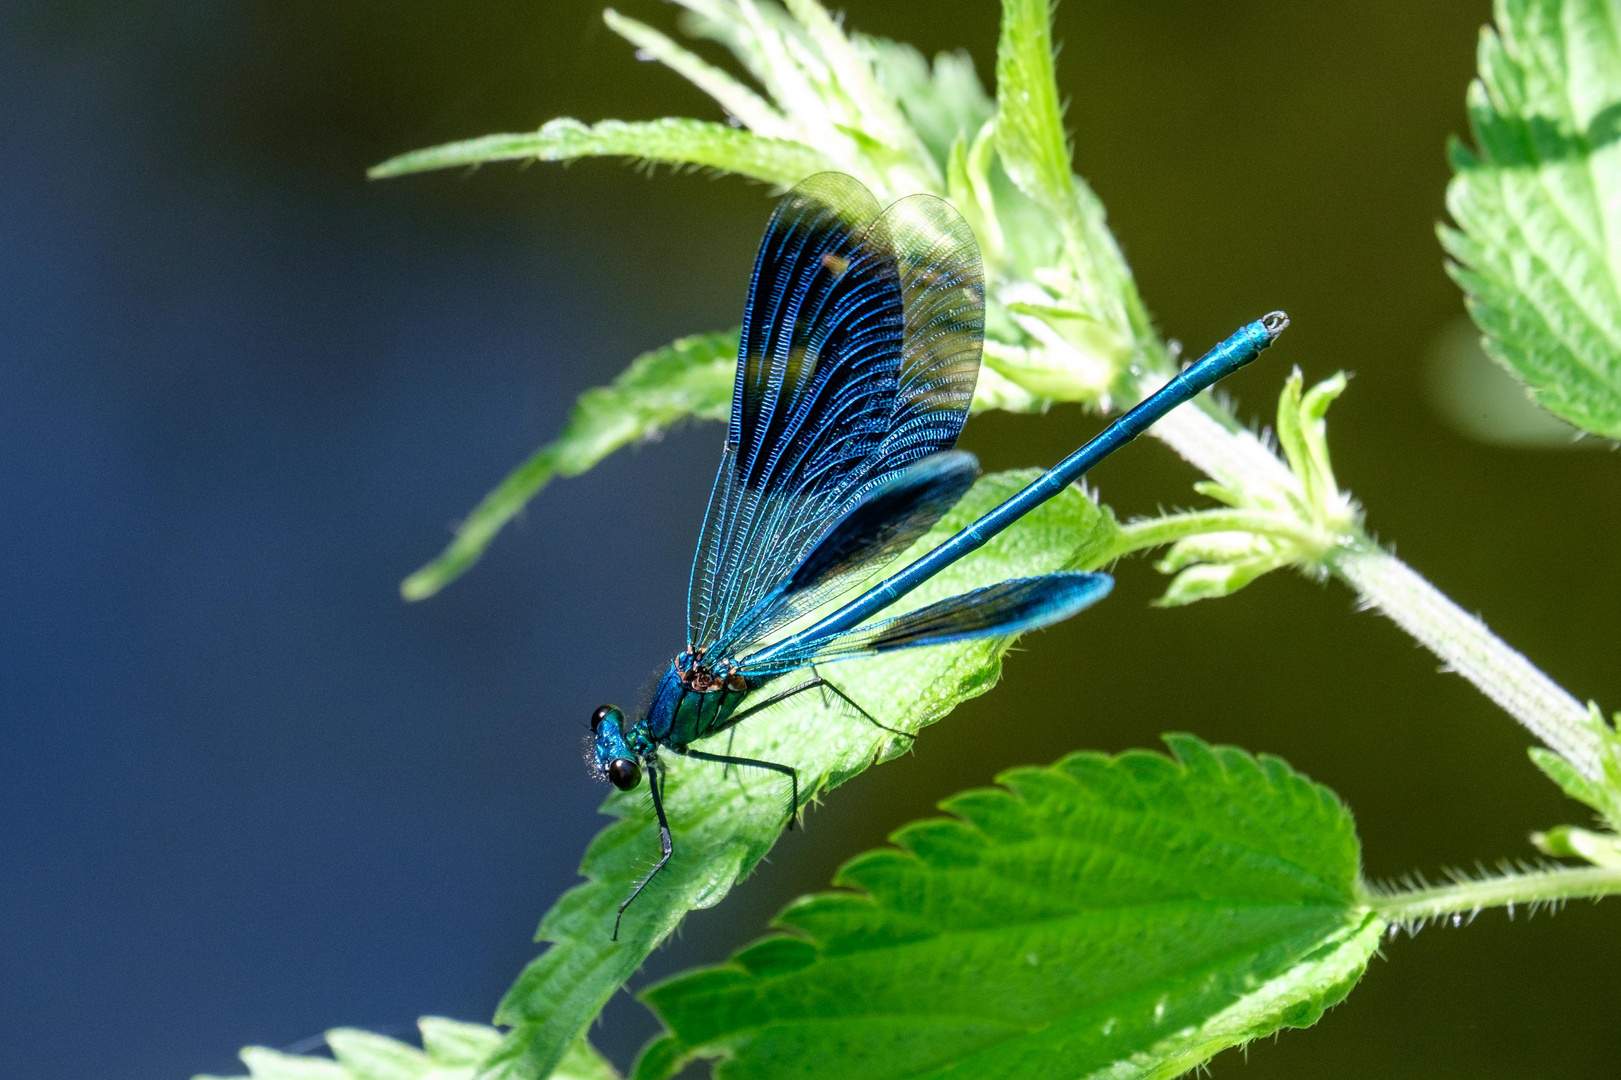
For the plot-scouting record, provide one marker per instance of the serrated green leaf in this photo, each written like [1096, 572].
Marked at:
[1029, 121]
[689, 378]
[266, 1064]
[451, 1050]
[1570, 781]
[1212, 581]
[1481, 399]
[748, 107]
[1105, 917]
[1538, 204]
[455, 1042]
[943, 102]
[1092, 276]
[377, 1057]
[1602, 794]
[849, 73]
[723, 825]
[670, 141]
[582, 1062]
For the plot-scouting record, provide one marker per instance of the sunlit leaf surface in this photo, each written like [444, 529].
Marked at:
[1105, 917]
[672, 141]
[1538, 204]
[1029, 120]
[451, 1050]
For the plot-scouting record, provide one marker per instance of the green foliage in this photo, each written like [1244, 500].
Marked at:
[724, 825]
[822, 87]
[1296, 517]
[689, 378]
[451, 1050]
[1125, 917]
[844, 80]
[1119, 917]
[670, 141]
[1601, 793]
[1083, 304]
[1538, 204]
[1573, 783]
[943, 102]
[1029, 121]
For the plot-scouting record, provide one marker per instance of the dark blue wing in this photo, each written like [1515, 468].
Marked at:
[1000, 610]
[859, 354]
[890, 515]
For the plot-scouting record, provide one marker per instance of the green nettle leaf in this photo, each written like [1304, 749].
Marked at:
[1105, 917]
[1092, 278]
[1570, 781]
[1602, 794]
[724, 824]
[451, 1050]
[691, 378]
[1029, 121]
[672, 140]
[1538, 204]
[943, 103]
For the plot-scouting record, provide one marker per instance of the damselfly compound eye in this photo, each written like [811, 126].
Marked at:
[604, 712]
[624, 773]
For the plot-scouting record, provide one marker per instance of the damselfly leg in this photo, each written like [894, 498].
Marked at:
[850, 701]
[726, 759]
[655, 784]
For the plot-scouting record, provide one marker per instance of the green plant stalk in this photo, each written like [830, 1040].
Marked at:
[1214, 442]
[1468, 647]
[1467, 898]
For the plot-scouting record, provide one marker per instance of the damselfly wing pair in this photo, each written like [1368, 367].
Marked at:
[859, 355]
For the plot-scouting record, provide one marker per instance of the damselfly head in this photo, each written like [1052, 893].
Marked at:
[610, 755]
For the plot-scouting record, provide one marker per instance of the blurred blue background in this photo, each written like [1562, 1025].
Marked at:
[247, 794]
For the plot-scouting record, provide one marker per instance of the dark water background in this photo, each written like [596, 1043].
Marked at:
[247, 794]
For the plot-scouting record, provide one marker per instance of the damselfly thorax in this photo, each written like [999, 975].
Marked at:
[694, 699]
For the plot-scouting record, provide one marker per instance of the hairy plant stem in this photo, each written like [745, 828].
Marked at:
[1211, 440]
[1466, 898]
[1467, 646]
